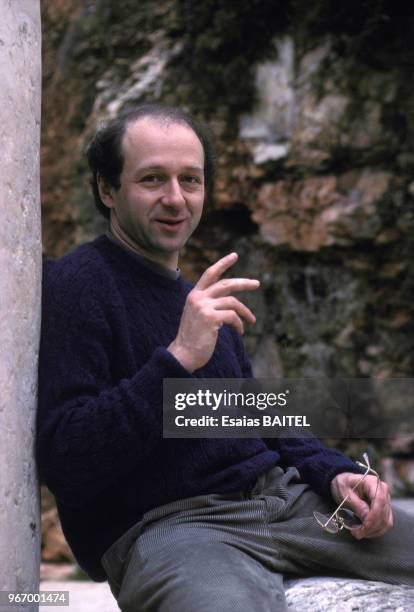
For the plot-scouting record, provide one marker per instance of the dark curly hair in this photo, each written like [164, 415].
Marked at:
[105, 156]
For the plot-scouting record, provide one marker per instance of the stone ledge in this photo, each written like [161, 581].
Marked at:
[324, 594]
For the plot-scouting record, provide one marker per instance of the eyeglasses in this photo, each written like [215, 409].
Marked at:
[342, 518]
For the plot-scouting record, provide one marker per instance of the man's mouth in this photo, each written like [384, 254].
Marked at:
[170, 224]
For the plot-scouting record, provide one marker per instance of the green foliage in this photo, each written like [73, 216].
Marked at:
[371, 31]
[223, 40]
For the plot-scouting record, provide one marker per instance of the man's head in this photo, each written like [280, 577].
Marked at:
[151, 169]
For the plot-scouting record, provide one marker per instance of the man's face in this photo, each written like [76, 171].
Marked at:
[160, 200]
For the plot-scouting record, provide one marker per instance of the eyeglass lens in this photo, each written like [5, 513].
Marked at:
[344, 518]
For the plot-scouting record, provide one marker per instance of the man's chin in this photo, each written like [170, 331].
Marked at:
[168, 248]
[167, 244]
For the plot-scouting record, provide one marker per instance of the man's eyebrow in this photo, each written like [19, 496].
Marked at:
[194, 168]
[162, 168]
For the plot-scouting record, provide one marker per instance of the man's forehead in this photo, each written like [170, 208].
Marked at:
[153, 128]
[149, 138]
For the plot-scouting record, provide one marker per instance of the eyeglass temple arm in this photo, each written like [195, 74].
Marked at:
[368, 470]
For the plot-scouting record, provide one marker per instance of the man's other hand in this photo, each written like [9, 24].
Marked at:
[371, 505]
[208, 306]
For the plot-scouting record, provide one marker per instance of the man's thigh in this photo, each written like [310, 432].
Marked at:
[212, 552]
[199, 575]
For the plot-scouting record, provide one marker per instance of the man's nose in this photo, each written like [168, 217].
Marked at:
[173, 193]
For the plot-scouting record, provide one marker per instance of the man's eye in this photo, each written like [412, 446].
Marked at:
[194, 180]
[151, 178]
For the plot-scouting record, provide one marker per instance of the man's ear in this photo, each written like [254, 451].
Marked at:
[105, 191]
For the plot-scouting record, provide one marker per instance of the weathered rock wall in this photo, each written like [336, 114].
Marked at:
[312, 110]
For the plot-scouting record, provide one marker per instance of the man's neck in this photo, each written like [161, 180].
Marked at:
[122, 240]
[123, 237]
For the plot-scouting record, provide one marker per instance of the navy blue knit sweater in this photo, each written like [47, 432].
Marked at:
[106, 322]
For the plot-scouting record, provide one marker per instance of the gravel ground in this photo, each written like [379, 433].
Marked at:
[84, 596]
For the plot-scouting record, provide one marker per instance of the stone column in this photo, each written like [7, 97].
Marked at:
[20, 279]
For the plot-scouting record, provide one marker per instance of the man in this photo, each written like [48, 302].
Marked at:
[178, 524]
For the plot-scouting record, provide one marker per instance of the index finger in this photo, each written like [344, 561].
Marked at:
[213, 273]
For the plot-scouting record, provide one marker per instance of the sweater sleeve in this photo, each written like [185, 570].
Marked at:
[90, 432]
[317, 464]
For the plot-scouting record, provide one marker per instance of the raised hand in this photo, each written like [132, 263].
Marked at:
[208, 306]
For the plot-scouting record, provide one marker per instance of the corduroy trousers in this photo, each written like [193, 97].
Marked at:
[222, 553]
